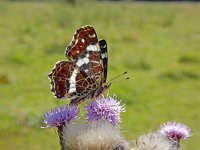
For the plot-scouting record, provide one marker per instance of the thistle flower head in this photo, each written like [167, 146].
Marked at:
[105, 109]
[175, 131]
[61, 115]
[155, 141]
[101, 135]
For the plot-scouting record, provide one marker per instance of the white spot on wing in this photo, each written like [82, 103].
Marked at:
[104, 55]
[94, 61]
[103, 46]
[83, 41]
[93, 35]
[72, 81]
[82, 61]
[93, 48]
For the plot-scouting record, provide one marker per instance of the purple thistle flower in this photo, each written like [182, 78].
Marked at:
[105, 109]
[59, 116]
[175, 130]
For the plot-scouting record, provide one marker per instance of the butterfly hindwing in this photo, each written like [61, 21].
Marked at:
[68, 81]
[58, 78]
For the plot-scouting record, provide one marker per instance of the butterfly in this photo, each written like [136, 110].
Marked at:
[83, 75]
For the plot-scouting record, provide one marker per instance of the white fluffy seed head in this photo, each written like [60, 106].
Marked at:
[155, 141]
[96, 136]
[70, 134]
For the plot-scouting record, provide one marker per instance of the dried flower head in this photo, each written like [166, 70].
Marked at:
[175, 131]
[106, 108]
[122, 145]
[70, 134]
[61, 115]
[155, 141]
[101, 135]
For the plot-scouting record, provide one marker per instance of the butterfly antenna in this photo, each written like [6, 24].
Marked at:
[118, 77]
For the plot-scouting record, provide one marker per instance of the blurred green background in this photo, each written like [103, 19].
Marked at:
[157, 43]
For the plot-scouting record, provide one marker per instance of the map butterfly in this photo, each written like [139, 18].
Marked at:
[84, 75]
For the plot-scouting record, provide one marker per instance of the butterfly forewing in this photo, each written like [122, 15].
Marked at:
[86, 52]
[104, 58]
[82, 38]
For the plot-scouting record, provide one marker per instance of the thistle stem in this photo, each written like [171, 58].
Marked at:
[62, 142]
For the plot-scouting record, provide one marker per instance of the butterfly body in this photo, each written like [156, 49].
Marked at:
[84, 75]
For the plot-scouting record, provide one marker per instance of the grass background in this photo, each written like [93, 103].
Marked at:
[157, 43]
